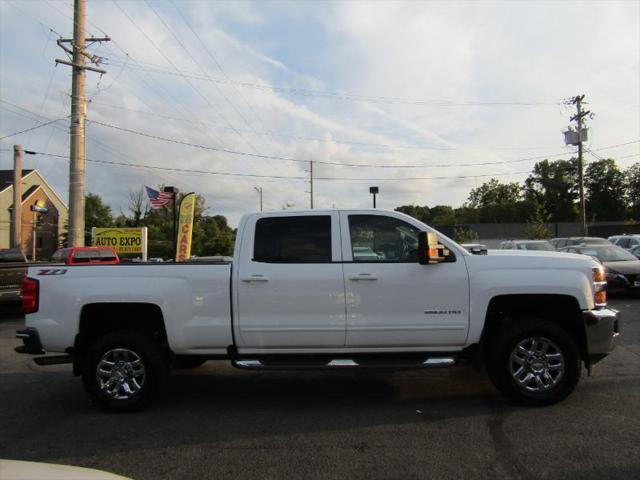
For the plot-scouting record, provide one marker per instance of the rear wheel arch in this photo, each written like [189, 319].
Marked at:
[100, 319]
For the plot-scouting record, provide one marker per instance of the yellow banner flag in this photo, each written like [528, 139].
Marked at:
[185, 227]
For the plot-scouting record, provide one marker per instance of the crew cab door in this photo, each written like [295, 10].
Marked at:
[290, 286]
[392, 300]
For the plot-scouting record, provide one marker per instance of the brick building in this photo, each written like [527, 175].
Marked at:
[49, 226]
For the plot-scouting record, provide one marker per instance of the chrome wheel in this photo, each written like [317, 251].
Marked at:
[120, 373]
[536, 364]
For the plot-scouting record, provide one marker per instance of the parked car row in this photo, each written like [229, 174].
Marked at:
[622, 269]
[619, 254]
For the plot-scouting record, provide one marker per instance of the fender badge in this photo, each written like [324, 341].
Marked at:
[52, 271]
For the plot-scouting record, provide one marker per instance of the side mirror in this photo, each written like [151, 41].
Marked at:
[429, 250]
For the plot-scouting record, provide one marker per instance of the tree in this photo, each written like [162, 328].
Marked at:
[537, 223]
[442, 215]
[419, 213]
[632, 175]
[465, 235]
[212, 236]
[137, 206]
[96, 214]
[605, 191]
[555, 186]
[495, 202]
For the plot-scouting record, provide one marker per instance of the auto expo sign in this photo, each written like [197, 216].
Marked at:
[122, 240]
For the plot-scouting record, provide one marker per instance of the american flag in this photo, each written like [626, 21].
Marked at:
[158, 199]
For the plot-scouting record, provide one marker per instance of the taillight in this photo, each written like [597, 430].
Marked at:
[599, 287]
[30, 293]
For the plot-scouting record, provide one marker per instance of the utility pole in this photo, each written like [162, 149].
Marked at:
[34, 233]
[17, 197]
[311, 181]
[259, 190]
[578, 118]
[78, 55]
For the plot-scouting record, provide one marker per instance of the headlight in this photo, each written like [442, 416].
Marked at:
[599, 287]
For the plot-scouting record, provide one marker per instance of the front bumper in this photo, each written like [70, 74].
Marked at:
[31, 342]
[602, 327]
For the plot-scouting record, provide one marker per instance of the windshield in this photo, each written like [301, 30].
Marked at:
[608, 254]
[546, 246]
[588, 241]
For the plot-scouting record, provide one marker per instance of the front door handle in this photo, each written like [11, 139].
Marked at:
[255, 278]
[363, 276]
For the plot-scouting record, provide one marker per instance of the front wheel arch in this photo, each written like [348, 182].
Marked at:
[500, 360]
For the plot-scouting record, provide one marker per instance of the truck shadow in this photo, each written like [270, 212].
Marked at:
[47, 416]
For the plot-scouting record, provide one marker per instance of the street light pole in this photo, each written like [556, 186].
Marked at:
[374, 191]
[173, 191]
[259, 190]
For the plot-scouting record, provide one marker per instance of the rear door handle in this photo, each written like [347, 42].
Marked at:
[363, 276]
[255, 278]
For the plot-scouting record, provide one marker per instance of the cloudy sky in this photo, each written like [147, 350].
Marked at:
[424, 99]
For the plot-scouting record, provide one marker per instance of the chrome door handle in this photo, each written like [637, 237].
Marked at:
[255, 278]
[363, 276]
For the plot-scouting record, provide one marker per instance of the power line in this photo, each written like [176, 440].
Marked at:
[350, 96]
[217, 63]
[32, 128]
[283, 177]
[150, 40]
[304, 137]
[300, 160]
[197, 63]
[34, 18]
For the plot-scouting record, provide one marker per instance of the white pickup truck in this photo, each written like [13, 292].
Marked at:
[334, 289]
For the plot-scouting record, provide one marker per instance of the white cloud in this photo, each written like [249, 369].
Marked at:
[434, 51]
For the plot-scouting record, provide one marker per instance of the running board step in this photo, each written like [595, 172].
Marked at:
[340, 363]
[53, 360]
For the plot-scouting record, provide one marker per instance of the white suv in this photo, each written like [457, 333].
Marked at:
[626, 241]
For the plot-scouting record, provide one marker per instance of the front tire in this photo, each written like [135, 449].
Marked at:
[123, 371]
[534, 362]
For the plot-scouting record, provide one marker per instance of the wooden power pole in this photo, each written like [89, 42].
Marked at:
[78, 55]
[578, 118]
[17, 197]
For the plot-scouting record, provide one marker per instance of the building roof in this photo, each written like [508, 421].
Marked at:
[6, 178]
[30, 192]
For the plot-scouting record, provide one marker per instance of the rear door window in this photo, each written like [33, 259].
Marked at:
[296, 239]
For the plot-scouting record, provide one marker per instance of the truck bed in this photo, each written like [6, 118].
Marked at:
[194, 300]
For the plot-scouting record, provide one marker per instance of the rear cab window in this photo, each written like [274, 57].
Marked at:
[86, 256]
[293, 239]
[107, 255]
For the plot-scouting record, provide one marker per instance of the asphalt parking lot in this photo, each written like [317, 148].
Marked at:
[218, 422]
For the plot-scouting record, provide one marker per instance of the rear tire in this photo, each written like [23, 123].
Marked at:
[534, 362]
[123, 371]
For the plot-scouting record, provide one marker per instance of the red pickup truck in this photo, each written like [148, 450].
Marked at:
[86, 256]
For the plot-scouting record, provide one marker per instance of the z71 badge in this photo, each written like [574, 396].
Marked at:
[52, 271]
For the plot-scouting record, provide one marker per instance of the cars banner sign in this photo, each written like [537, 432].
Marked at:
[122, 240]
[185, 227]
